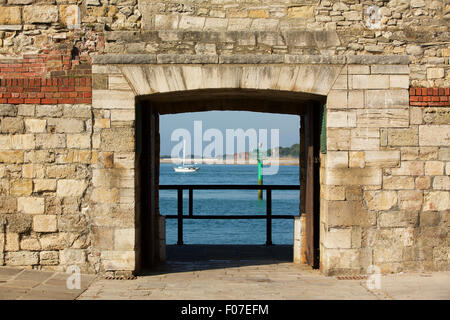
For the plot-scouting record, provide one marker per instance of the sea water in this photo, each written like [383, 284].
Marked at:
[235, 202]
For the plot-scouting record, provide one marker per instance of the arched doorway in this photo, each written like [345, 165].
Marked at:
[150, 107]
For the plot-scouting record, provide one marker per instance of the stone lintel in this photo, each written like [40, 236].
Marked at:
[247, 59]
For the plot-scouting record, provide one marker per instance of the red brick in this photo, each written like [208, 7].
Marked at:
[33, 100]
[49, 101]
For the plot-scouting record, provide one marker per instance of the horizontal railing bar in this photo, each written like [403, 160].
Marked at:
[228, 187]
[174, 216]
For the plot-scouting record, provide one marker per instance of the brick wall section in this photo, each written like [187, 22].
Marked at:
[48, 78]
[429, 97]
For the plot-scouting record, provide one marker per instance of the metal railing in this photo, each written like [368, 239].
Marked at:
[268, 216]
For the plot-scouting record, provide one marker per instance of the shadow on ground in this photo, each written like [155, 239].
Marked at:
[195, 257]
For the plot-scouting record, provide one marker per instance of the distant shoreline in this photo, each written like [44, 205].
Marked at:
[281, 162]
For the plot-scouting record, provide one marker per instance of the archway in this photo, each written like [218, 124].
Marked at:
[150, 107]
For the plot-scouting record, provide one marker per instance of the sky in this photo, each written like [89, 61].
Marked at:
[288, 126]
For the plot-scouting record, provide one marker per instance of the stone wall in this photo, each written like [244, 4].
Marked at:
[67, 136]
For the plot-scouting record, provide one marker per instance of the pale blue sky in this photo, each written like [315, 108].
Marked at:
[288, 125]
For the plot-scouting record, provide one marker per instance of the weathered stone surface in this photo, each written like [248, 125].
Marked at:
[434, 135]
[70, 188]
[117, 139]
[10, 15]
[22, 258]
[30, 205]
[40, 14]
[381, 200]
[353, 176]
[45, 223]
[49, 258]
[19, 223]
[21, 187]
[72, 256]
[436, 200]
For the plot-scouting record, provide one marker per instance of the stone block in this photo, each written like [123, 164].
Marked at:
[69, 15]
[380, 200]
[434, 168]
[370, 81]
[341, 119]
[22, 258]
[410, 200]
[430, 218]
[49, 258]
[124, 239]
[389, 69]
[30, 244]
[403, 137]
[10, 15]
[436, 116]
[117, 139]
[118, 260]
[393, 98]
[434, 135]
[353, 176]
[72, 256]
[30, 205]
[332, 192]
[35, 125]
[338, 238]
[50, 141]
[105, 195]
[409, 168]
[12, 242]
[398, 219]
[22, 141]
[21, 187]
[356, 159]
[191, 23]
[423, 182]
[40, 14]
[435, 73]
[348, 213]
[45, 223]
[12, 125]
[337, 99]
[71, 188]
[79, 141]
[336, 159]
[112, 99]
[382, 118]
[103, 238]
[365, 139]
[441, 183]
[19, 223]
[66, 125]
[398, 182]
[11, 156]
[382, 158]
[356, 99]
[44, 185]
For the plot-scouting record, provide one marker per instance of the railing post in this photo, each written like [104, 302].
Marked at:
[180, 216]
[191, 201]
[269, 217]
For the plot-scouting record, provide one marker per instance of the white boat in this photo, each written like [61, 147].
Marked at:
[184, 168]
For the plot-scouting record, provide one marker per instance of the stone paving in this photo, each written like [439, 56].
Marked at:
[25, 284]
[223, 272]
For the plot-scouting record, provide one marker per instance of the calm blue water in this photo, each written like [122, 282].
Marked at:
[229, 202]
